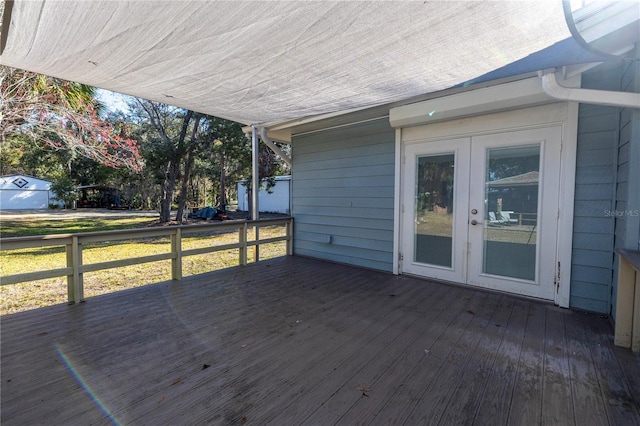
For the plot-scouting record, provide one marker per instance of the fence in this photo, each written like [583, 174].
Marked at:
[74, 243]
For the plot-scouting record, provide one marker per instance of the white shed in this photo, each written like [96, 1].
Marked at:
[22, 192]
[276, 201]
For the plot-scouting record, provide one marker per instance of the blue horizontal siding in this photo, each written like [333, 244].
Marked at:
[627, 198]
[343, 192]
[591, 257]
[593, 226]
[604, 184]
[593, 192]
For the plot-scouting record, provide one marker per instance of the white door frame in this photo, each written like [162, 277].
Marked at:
[563, 114]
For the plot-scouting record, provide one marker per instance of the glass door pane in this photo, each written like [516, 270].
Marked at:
[433, 215]
[511, 198]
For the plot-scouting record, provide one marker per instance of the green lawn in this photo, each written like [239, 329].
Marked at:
[29, 227]
[24, 296]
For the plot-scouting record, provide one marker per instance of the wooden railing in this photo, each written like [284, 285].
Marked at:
[74, 243]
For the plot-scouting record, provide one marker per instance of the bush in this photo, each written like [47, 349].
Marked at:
[64, 190]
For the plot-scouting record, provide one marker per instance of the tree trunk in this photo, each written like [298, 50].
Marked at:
[223, 182]
[169, 187]
[182, 200]
[174, 169]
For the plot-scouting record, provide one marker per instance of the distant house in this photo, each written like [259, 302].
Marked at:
[276, 200]
[22, 192]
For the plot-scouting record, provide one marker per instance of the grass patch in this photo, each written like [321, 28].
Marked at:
[35, 294]
[30, 227]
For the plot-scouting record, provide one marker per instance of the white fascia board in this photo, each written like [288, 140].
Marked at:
[489, 99]
[288, 125]
[278, 136]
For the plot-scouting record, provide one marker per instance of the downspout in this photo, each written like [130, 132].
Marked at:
[552, 88]
[274, 147]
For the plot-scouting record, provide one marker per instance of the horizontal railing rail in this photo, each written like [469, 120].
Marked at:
[74, 243]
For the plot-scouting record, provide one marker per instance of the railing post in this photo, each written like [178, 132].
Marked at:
[75, 285]
[290, 237]
[70, 280]
[242, 239]
[256, 248]
[176, 251]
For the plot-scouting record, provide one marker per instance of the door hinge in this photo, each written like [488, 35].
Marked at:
[400, 257]
[557, 279]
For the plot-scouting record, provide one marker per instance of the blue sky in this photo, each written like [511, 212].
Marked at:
[114, 101]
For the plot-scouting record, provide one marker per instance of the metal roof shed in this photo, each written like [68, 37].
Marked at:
[22, 192]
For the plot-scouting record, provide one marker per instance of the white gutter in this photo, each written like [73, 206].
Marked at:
[552, 88]
[273, 147]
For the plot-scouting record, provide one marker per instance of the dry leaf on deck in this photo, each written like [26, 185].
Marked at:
[364, 389]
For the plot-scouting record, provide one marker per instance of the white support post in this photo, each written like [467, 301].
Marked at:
[255, 180]
[255, 186]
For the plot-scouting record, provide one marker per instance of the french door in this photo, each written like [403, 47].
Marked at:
[483, 210]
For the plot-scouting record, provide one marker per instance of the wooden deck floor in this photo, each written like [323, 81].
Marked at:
[299, 341]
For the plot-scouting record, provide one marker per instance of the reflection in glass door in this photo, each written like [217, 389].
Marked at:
[434, 209]
[511, 197]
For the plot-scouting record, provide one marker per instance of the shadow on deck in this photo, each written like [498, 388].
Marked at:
[300, 341]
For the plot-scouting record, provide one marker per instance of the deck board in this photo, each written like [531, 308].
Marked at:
[290, 341]
[526, 398]
[382, 365]
[495, 401]
[557, 398]
[469, 390]
[435, 397]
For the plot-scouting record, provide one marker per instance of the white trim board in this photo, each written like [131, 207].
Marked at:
[474, 102]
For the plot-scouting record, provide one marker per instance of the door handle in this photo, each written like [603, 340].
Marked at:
[474, 222]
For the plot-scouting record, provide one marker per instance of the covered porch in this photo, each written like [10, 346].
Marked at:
[299, 341]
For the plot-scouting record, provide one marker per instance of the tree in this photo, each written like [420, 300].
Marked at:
[188, 166]
[64, 190]
[184, 151]
[230, 155]
[164, 131]
[63, 115]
